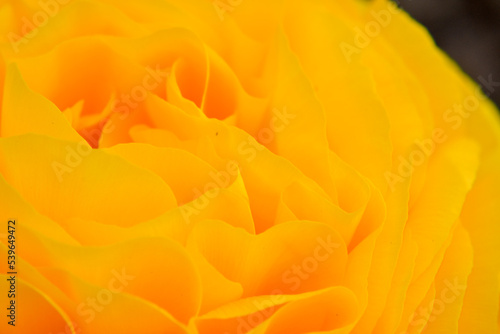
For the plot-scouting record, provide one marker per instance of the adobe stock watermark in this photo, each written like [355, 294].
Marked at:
[426, 315]
[31, 26]
[454, 116]
[123, 106]
[105, 296]
[224, 6]
[371, 30]
[293, 277]
[248, 150]
[67, 329]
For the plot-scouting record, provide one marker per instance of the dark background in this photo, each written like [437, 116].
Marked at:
[468, 30]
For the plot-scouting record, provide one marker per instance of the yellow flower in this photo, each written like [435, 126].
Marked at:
[234, 166]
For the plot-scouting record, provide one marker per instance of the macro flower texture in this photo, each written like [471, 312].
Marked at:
[242, 166]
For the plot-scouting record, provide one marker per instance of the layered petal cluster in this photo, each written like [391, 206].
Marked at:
[243, 166]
